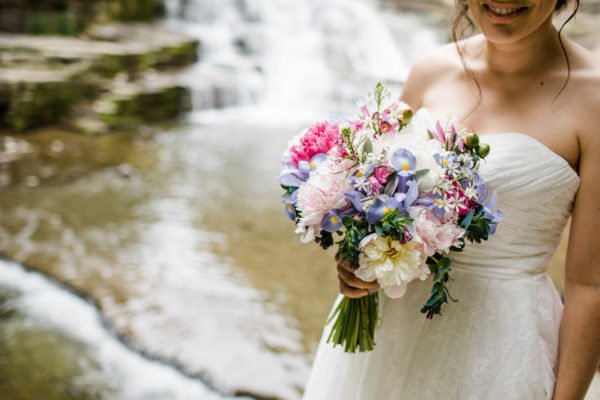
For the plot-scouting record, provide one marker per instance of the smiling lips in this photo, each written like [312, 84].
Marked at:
[503, 14]
[503, 11]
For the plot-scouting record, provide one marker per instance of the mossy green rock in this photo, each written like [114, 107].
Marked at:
[43, 77]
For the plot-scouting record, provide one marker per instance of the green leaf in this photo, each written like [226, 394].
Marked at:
[467, 220]
[367, 146]
[421, 173]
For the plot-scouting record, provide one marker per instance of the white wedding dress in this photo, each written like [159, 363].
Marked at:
[500, 340]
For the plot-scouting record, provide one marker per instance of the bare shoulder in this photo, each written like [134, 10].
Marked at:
[585, 96]
[441, 63]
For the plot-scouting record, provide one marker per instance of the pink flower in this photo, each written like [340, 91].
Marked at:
[434, 235]
[379, 179]
[319, 138]
[323, 192]
[462, 204]
[382, 174]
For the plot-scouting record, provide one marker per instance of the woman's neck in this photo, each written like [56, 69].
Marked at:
[530, 55]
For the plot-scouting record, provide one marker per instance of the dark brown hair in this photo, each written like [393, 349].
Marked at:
[463, 23]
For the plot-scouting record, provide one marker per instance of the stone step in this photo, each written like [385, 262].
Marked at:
[42, 78]
[32, 97]
[111, 48]
[130, 105]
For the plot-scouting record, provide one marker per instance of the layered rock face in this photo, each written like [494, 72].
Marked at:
[89, 64]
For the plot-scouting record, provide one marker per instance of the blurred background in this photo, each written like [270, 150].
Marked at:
[145, 254]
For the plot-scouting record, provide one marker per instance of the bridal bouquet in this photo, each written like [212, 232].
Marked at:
[396, 195]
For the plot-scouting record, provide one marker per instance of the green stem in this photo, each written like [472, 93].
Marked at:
[354, 322]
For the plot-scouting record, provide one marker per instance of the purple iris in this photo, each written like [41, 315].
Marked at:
[288, 204]
[317, 159]
[355, 197]
[481, 187]
[292, 177]
[409, 196]
[493, 215]
[332, 222]
[403, 161]
[446, 160]
[432, 203]
[381, 207]
[295, 177]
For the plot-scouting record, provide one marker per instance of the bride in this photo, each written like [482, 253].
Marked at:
[534, 96]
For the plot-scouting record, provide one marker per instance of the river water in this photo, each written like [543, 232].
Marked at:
[186, 280]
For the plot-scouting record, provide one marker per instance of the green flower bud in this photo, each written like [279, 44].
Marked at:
[483, 150]
[472, 141]
[407, 116]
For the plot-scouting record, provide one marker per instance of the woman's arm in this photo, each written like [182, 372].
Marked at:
[579, 343]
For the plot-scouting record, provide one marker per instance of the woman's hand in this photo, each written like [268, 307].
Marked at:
[351, 286]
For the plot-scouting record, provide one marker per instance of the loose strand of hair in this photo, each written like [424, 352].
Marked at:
[564, 50]
[464, 14]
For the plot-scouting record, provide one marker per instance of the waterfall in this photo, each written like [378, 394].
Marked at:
[282, 56]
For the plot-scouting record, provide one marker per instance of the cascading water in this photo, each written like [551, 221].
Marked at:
[294, 58]
[188, 254]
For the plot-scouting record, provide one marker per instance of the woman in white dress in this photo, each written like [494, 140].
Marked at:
[535, 98]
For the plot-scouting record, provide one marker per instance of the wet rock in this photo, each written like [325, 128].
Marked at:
[128, 105]
[138, 10]
[71, 17]
[44, 77]
[63, 17]
[30, 97]
[8, 297]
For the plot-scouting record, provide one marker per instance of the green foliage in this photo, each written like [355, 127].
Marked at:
[477, 229]
[476, 225]
[348, 246]
[440, 266]
[393, 225]
[325, 240]
[46, 23]
[135, 10]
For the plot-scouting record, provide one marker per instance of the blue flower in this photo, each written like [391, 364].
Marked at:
[355, 197]
[332, 222]
[317, 159]
[381, 207]
[493, 215]
[446, 161]
[403, 161]
[288, 205]
[295, 177]
[481, 187]
[292, 177]
[435, 203]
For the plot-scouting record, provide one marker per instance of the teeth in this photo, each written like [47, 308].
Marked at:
[503, 11]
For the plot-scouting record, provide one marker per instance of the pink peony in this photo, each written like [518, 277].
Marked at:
[319, 138]
[379, 179]
[434, 235]
[323, 192]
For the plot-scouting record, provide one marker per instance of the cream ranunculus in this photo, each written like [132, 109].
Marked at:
[391, 263]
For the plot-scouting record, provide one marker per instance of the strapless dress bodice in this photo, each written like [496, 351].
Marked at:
[500, 340]
[536, 189]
